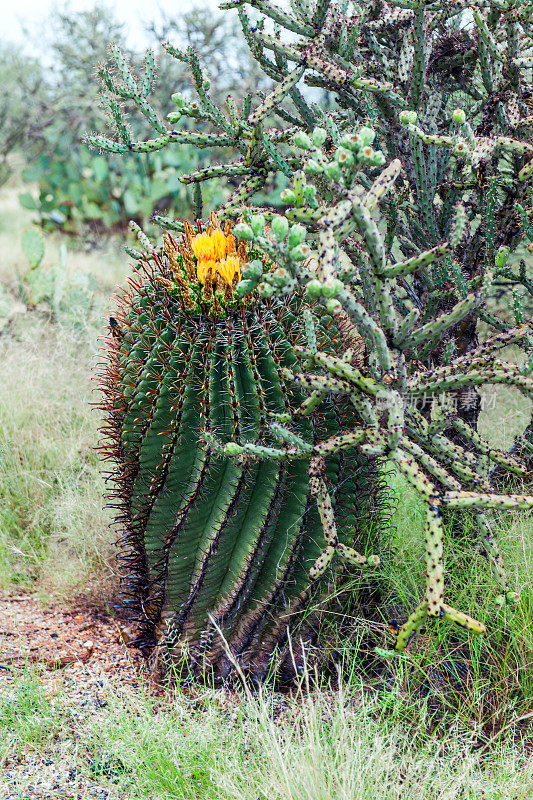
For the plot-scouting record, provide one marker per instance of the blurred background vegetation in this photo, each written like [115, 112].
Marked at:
[48, 103]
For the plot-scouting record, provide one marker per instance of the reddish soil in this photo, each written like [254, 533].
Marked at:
[54, 637]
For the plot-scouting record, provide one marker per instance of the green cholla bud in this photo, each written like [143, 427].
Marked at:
[319, 136]
[303, 141]
[280, 277]
[244, 287]
[314, 289]
[408, 117]
[297, 235]
[253, 270]
[257, 224]
[502, 256]
[352, 142]
[312, 167]
[459, 116]
[265, 289]
[333, 306]
[243, 231]
[333, 171]
[366, 136]
[288, 197]
[178, 99]
[344, 157]
[331, 287]
[461, 148]
[379, 159]
[174, 117]
[367, 154]
[280, 227]
[300, 253]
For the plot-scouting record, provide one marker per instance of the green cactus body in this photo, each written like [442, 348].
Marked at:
[215, 546]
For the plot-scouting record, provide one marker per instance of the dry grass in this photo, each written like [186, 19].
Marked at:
[53, 531]
[52, 527]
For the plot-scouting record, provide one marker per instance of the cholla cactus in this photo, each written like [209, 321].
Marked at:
[411, 184]
[406, 408]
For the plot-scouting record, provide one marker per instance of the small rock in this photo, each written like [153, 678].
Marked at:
[107, 765]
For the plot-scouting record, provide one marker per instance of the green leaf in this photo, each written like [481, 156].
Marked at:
[33, 246]
[75, 193]
[32, 174]
[100, 168]
[92, 211]
[158, 189]
[131, 203]
[27, 201]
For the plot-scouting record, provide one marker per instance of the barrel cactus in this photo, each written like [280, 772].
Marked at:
[219, 551]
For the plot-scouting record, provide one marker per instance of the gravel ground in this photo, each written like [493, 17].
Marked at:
[72, 664]
[75, 657]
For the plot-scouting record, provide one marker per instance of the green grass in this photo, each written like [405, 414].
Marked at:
[214, 746]
[327, 746]
[26, 714]
[500, 663]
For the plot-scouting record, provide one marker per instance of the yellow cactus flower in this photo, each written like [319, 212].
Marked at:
[211, 246]
[215, 251]
[210, 257]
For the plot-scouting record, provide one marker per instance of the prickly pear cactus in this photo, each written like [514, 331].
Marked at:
[218, 552]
